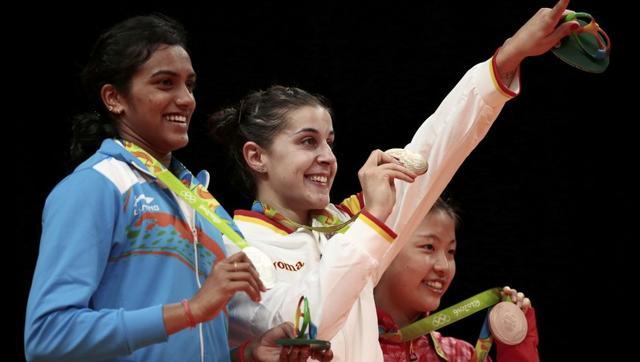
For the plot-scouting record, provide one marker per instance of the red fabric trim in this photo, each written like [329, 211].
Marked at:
[496, 76]
[382, 225]
[260, 216]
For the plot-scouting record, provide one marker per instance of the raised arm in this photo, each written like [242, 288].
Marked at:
[449, 135]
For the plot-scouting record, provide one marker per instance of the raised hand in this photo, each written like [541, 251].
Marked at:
[537, 36]
[377, 177]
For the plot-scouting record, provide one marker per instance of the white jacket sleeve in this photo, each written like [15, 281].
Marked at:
[445, 139]
[332, 287]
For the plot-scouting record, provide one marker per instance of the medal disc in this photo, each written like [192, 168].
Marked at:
[411, 160]
[508, 323]
[263, 265]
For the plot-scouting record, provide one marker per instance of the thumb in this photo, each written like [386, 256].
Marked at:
[288, 329]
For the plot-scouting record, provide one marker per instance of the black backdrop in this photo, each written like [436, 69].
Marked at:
[543, 197]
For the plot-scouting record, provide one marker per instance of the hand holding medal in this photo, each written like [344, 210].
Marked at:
[506, 319]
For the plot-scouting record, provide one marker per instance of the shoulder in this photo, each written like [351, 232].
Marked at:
[97, 178]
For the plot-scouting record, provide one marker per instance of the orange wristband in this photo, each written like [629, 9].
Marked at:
[187, 311]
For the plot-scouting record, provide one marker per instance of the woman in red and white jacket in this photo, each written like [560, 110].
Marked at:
[412, 286]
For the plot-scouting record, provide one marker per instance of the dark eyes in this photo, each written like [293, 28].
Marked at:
[430, 248]
[168, 83]
[311, 141]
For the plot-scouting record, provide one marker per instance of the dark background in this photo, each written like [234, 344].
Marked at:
[545, 198]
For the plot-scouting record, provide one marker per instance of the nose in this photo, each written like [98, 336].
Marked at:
[185, 98]
[441, 264]
[326, 154]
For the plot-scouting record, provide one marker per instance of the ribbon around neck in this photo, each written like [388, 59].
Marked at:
[445, 317]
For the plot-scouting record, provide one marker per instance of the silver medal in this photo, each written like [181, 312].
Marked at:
[411, 160]
[263, 265]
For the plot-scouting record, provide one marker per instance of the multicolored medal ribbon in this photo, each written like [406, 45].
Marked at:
[205, 204]
[330, 222]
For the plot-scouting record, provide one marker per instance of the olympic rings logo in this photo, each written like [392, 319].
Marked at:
[440, 320]
[188, 196]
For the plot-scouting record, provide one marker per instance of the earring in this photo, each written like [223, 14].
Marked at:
[110, 108]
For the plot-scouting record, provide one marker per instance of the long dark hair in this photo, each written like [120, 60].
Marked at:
[116, 56]
[258, 117]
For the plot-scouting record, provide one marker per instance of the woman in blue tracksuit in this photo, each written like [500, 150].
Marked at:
[127, 270]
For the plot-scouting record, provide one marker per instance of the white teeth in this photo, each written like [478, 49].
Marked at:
[434, 284]
[176, 118]
[320, 179]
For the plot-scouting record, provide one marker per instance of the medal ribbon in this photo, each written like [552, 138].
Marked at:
[201, 200]
[446, 316]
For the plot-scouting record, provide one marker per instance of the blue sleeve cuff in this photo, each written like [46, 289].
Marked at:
[145, 327]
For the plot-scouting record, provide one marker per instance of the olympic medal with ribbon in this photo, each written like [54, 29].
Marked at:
[206, 205]
[507, 323]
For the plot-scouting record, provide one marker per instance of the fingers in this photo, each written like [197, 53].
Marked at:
[386, 158]
[244, 286]
[295, 353]
[380, 161]
[243, 276]
[558, 10]
[526, 304]
[564, 29]
[517, 297]
[289, 329]
[241, 262]
[284, 353]
[510, 293]
[322, 355]
[377, 157]
[299, 353]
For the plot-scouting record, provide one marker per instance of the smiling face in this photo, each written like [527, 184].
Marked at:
[156, 110]
[422, 272]
[299, 165]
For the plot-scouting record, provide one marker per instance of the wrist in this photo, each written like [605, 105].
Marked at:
[245, 352]
[508, 58]
[191, 320]
[379, 213]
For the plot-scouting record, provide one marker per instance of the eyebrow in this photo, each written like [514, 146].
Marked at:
[433, 236]
[171, 73]
[312, 130]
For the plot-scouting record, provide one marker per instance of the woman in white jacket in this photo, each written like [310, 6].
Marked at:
[281, 139]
